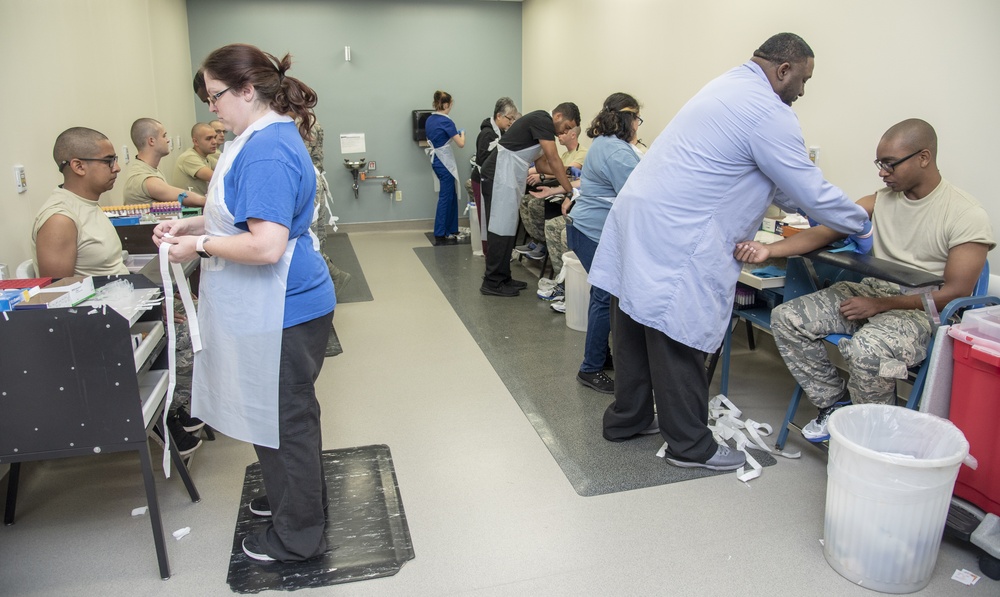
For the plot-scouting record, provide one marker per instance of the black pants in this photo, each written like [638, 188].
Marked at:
[498, 248]
[293, 473]
[649, 364]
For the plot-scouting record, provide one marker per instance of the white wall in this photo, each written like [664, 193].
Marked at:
[99, 64]
[876, 64]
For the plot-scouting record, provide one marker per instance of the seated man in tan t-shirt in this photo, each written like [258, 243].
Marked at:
[71, 235]
[193, 171]
[143, 181]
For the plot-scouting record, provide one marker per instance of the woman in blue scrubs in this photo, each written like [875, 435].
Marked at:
[441, 130]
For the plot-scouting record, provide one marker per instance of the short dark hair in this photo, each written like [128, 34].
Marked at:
[569, 111]
[199, 86]
[75, 142]
[784, 47]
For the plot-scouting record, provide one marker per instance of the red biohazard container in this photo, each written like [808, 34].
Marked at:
[975, 404]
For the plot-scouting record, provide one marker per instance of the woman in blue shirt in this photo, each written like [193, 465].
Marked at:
[266, 300]
[440, 131]
[607, 166]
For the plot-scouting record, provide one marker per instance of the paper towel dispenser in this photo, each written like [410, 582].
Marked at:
[419, 123]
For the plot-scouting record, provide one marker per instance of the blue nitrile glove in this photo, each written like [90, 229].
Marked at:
[574, 171]
[770, 271]
[863, 240]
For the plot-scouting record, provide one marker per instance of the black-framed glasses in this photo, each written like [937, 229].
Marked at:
[890, 166]
[110, 160]
[214, 97]
[639, 118]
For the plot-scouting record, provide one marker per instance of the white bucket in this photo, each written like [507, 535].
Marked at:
[891, 473]
[475, 232]
[577, 293]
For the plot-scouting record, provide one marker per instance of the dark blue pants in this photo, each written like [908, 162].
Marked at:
[595, 350]
[446, 216]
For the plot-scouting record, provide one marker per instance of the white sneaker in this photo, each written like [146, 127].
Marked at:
[558, 306]
[815, 430]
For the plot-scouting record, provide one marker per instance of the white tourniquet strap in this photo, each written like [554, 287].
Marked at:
[725, 424]
[195, 332]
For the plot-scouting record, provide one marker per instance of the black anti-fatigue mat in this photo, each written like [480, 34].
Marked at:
[366, 528]
[537, 357]
[465, 240]
[338, 247]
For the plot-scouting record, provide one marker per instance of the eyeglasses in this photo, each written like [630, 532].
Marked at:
[111, 161]
[214, 97]
[639, 118]
[890, 166]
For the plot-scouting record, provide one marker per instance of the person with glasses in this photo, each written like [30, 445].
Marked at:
[610, 161]
[490, 129]
[71, 235]
[919, 220]
[266, 301]
[666, 250]
[144, 183]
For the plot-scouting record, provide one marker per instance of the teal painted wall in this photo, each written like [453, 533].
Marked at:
[401, 52]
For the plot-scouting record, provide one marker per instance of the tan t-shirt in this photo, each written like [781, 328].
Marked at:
[135, 176]
[188, 164]
[213, 158]
[98, 247]
[919, 233]
[574, 157]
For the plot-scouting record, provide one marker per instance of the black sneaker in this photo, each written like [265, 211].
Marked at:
[516, 284]
[259, 506]
[598, 381]
[251, 547]
[185, 442]
[188, 423]
[501, 290]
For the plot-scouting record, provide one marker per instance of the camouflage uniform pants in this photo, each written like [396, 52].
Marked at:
[555, 240]
[184, 354]
[878, 353]
[533, 216]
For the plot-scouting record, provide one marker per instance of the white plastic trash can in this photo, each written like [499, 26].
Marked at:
[891, 472]
[577, 293]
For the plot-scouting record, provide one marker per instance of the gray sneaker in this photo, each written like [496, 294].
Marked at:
[724, 459]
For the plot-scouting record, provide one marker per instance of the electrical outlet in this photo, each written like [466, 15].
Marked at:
[125, 157]
[399, 195]
[814, 153]
[20, 180]
[371, 165]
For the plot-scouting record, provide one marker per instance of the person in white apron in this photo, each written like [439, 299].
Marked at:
[531, 138]
[441, 130]
[504, 114]
[610, 161]
[264, 331]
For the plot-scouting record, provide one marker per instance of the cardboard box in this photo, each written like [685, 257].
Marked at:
[67, 292]
[9, 298]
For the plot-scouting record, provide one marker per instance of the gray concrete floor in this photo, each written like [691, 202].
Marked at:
[490, 511]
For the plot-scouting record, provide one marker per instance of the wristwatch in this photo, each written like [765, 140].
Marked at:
[200, 246]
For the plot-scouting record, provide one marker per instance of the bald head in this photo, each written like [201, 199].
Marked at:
[201, 128]
[914, 134]
[143, 129]
[74, 143]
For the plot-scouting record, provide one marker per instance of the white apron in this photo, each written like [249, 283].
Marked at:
[509, 180]
[241, 310]
[447, 157]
